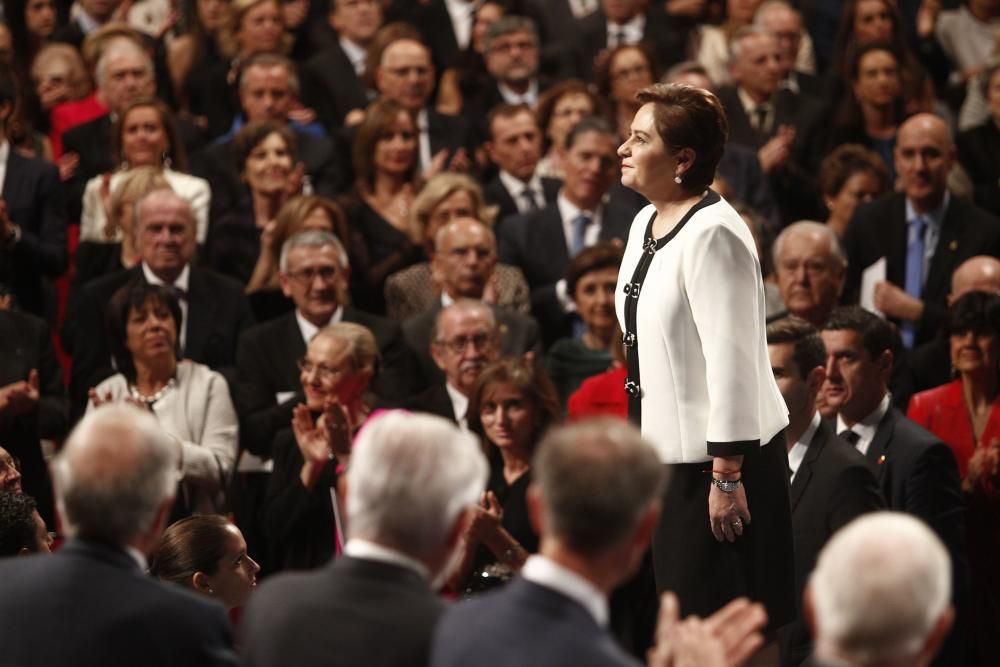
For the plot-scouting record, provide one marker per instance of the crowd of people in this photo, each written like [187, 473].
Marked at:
[248, 246]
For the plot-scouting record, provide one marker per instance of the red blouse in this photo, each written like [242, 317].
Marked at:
[942, 411]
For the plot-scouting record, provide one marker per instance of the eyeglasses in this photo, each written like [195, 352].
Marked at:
[326, 274]
[479, 341]
[507, 47]
[325, 373]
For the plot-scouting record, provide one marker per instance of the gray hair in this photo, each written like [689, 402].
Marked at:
[159, 196]
[271, 60]
[508, 24]
[116, 470]
[411, 477]
[879, 587]
[597, 479]
[450, 226]
[468, 305]
[736, 42]
[837, 253]
[312, 238]
[769, 6]
[118, 46]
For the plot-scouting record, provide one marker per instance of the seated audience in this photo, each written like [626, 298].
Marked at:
[303, 519]
[590, 281]
[206, 554]
[144, 135]
[190, 400]
[511, 407]
[849, 176]
[22, 531]
[880, 594]
[62, 88]
[214, 307]
[196, 48]
[627, 70]
[115, 480]
[978, 146]
[443, 198]
[810, 267]
[411, 488]
[560, 108]
[464, 266]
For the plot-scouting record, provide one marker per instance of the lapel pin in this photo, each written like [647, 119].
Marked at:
[953, 246]
[881, 459]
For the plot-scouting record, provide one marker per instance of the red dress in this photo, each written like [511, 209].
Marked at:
[942, 411]
[602, 394]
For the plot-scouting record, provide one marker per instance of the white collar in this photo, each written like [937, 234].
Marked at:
[515, 186]
[529, 97]
[633, 28]
[798, 451]
[181, 283]
[568, 210]
[355, 53]
[137, 556]
[749, 105]
[363, 549]
[459, 403]
[4, 151]
[550, 574]
[866, 427]
[309, 329]
[87, 23]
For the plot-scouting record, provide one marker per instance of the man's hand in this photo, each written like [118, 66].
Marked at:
[775, 153]
[895, 302]
[726, 639]
[20, 397]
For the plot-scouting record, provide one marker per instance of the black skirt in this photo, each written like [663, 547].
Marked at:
[706, 574]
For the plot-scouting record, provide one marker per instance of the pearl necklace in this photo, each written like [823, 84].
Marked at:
[151, 400]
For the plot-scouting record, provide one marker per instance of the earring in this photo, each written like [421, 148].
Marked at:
[165, 160]
[124, 166]
[678, 180]
[210, 591]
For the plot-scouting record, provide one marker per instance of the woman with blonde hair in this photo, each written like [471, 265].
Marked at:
[444, 198]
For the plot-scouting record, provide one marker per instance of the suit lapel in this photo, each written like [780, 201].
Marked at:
[291, 349]
[199, 315]
[12, 181]
[878, 449]
[945, 256]
[552, 241]
[898, 239]
[805, 471]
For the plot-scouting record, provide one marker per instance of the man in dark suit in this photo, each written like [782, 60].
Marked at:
[465, 338]
[542, 243]
[558, 606]
[924, 232]
[115, 479]
[832, 483]
[332, 80]
[781, 126]
[313, 273]
[215, 309]
[91, 15]
[268, 91]
[785, 23]
[879, 595]
[464, 264]
[515, 147]
[916, 472]
[376, 605]
[33, 402]
[627, 22]
[32, 218]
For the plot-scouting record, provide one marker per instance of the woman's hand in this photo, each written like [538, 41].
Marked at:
[296, 180]
[728, 513]
[312, 438]
[337, 424]
[67, 164]
[487, 517]
[984, 468]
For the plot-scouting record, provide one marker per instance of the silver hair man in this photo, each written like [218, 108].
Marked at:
[312, 238]
[880, 594]
[116, 477]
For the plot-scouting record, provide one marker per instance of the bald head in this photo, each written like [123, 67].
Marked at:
[924, 156]
[405, 74]
[977, 274]
[464, 258]
[116, 474]
[811, 268]
[165, 237]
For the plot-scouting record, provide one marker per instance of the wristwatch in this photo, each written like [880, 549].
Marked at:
[726, 485]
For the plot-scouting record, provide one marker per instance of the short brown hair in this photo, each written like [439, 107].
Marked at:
[605, 255]
[530, 379]
[808, 352]
[505, 110]
[252, 135]
[688, 117]
[847, 160]
[175, 147]
[548, 100]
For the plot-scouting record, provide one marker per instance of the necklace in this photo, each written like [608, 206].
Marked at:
[151, 400]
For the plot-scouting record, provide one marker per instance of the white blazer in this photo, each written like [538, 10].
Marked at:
[191, 188]
[705, 374]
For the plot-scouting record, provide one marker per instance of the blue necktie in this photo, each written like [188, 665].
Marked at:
[578, 243]
[914, 272]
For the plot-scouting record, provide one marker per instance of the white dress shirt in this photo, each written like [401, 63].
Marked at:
[798, 450]
[632, 29]
[356, 54]
[309, 330]
[460, 12]
[750, 107]
[366, 550]
[424, 139]
[529, 97]
[460, 404]
[550, 574]
[866, 427]
[568, 212]
[4, 155]
[515, 186]
[181, 283]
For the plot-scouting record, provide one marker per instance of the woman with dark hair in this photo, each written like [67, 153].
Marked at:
[265, 157]
[591, 278]
[191, 401]
[872, 110]
[198, 47]
[145, 135]
[511, 406]
[690, 300]
[627, 70]
[206, 554]
[385, 164]
[849, 176]
[560, 108]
